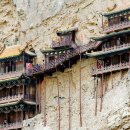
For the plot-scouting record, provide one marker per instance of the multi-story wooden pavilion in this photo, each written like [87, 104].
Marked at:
[17, 87]
[112, 50]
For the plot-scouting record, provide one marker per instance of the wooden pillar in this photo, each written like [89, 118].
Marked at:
[45, 103]
[40, 82]
[16, 116]
[104, 84]
[80, 94]
[102, 22]
[129, 59]
[96, 95]
[59, 124]
[38, 102]
[10, 66]
[6, 117]
[111, 74]
[120, 59]
[101, 92]
[22, 116]
[23, 90]
[36, 97]
[69, 99]
[0, 67]
[120, 65]
[23, 63]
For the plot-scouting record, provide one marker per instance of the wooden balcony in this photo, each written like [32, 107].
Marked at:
[117, 27]
[10, 99]
[116, 47]
[9, 75]
[110, 68]
[34, 70]
[77, 51]
[11, 126]
[62, 43]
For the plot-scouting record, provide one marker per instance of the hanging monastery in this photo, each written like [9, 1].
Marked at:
[22, 79]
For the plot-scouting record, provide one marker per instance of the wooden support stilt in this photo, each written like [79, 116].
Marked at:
[80, 95]
[101, 92]
[102, 22]
[36, 97]
[69, 100]
[111, 79]
[23, 90]
[94, 87]
[45, 104]
[40, 82]
[96, 96]
[22, 116]
[23, 63]
[58, 105]
[120, 69]
[105, 80]
[111, 74]
[16, 116]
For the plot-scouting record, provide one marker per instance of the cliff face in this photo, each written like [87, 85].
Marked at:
[33, 23]
[36, 21]
[115, 107]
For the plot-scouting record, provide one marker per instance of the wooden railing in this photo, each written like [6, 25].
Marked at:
[9, 99]
[10, 75]
[111, 68]
[116, 27]
[77, 51]
[11, 126]
[29, 97]
[116, 47]
[65, 42]
[35, 69]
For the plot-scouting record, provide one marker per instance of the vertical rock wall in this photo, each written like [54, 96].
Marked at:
[115, 107]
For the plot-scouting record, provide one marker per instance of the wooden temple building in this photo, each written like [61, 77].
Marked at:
[17, 87]
[64, 53]
[112, 50]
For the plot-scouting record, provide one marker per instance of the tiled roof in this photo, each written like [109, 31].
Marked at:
[119, 10]
[102, 53]
[64, 32]
[10, 51]
[110, 35]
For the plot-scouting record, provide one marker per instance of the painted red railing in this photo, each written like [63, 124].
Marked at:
[116, 47]
[37, 68]
[11, 126]
[14, 98]
[111, 68]
[116, 27]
